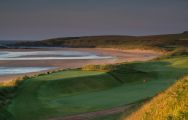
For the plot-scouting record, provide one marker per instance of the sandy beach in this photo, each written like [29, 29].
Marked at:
[118, 57]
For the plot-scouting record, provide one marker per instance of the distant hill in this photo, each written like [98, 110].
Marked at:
[3, 46]
[169, 105]
[167, 42]
[6, 43]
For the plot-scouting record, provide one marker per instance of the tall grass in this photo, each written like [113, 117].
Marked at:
[172, 104]
[99, 67]
[166, 42]
[174, 53]
[7, 92]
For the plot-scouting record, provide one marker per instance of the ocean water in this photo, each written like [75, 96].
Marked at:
[40, 55]
[48, 55]
[20, 70]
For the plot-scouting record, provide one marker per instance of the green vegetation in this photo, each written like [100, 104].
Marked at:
[119, 116]
[98, 87]
[177, 52]
[110, 117]
[168, 105]
[70, 92]
[157, 42]
[7, 92]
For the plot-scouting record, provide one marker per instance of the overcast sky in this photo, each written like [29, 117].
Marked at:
[41, 19]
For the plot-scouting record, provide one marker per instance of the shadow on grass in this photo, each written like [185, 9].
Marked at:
[50, 86]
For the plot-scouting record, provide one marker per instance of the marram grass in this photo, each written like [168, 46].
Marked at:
[172, 104]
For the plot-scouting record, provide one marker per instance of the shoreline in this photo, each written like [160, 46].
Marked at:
[118, 55]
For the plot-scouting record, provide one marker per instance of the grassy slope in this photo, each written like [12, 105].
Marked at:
[110, 117]
[166, 42]
[169, 105]
[7, 92]
[71, 92]
[28, 101]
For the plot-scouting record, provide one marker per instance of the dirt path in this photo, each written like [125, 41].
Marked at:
[91, 115]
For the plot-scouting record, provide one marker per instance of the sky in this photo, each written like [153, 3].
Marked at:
[43, 19]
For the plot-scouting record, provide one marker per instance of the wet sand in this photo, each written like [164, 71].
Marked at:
[118, 57]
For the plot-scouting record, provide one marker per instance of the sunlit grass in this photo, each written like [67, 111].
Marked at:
[169, 105]
[91, 88]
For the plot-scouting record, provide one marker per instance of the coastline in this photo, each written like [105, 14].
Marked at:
[118, 55]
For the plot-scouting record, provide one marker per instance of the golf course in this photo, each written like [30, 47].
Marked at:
[93, 59]
[73, 92]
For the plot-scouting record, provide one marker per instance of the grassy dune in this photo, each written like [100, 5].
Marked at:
[169, 105]
[77, 91]
[94, 88]
[157, 42]
[7, 92]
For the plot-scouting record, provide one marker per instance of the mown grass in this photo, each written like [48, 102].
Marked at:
[77, 91]
[119, 116]
[169, 105]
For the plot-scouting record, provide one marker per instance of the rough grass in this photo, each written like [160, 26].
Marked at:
[169, 105]
[76, 91]
[7, 92]
[156, 42]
